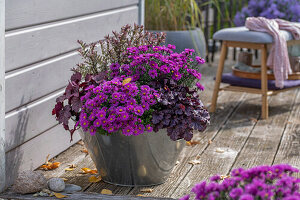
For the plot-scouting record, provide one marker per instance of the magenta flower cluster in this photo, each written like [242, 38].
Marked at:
[117, 104]
[148, 63]
[258, 183]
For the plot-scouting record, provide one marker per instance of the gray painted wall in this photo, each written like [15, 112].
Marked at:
[2, 97]
[40, 51]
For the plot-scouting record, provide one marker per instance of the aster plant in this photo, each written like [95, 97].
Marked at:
[271, 9]
[259, 183]
[134, 85]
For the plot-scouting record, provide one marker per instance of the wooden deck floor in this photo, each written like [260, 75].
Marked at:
[236, 128]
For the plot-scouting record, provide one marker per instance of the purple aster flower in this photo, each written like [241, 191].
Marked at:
[165, 69]
[170, 46]
[236, 192]
[145, 105]
[176, 76]
[246, 197]
[97, 123]
[199, 86]
[110, 129]
[153, 64]
[152, 73]
[120, 109]
[124, 116]
[127, 131]
[138, 110]
[149, 128]
[111, 118]
[93, 130]
[84, 123]
[145, 88]
[130, 108]
[186, 197]
[157, 48]
[101, 114]
[199, 60]
[114, 66]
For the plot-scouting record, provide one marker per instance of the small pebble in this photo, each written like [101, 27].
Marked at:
[43, 194]
[56, 184]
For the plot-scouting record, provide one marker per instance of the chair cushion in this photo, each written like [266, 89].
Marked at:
[242, 34]
[255, 83]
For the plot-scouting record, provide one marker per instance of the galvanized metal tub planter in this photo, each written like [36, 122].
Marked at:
[142, 160]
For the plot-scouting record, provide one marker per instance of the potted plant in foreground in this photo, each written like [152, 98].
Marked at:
[129, 101]
[180, 20]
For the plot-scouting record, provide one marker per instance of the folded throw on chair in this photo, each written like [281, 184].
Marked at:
[278, 58]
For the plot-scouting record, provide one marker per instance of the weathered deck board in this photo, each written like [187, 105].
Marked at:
[289, 149]
[81, 196]
[264, 139]
[230, 139]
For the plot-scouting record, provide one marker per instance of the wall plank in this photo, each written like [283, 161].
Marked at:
[38, 80]
[30, 45]
[31, 154]
[32, 12]
[29, 121]
[2, 97]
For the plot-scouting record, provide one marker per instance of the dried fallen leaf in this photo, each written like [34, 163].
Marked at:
[59, 195]
[209, 141]
[224, 177]
[81, 142]
[72, 166]
[125, 81]
[89, 171]
[147, 190]
[194, 162]
[219, 150]
[253, 119]
[106, 191]
[177, 162]
[84, 151]
[140, 195]
[64, 179]
[94, 179]
[69, 169]
[289, 122]
[192, 143]
[50, 166]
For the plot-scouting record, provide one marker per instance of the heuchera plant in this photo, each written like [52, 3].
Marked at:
[271, 9]
[259, 183]
[135, 83]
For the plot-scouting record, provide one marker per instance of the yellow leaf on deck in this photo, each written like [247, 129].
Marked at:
[64, 179]
[85, 151]
[86, 170]
[106, 191]
[140, 195]
[147, 190]
[125, 81]
[94, 179]
[50, 165]
[194, 162]
[59, 195]
[69, 169]
[192, 143]
[89, 171]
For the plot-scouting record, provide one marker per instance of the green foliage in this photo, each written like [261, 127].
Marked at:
[172, 15]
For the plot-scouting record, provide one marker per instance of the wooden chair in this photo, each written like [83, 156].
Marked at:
[241, 37]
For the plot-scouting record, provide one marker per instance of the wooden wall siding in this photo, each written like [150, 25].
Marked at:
[33, 12]
[33, 153]
[32, 44]
[29, 84]
[40, 51]
[29, 121]
[2, 97]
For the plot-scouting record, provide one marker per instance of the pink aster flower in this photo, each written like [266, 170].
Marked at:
[138, 110]
[199, 86]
